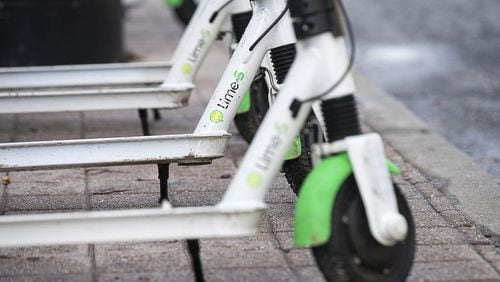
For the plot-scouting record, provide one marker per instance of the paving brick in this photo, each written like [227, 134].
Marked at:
[177, 275]
[48, 182]
[280, 196]
[441, 204]
[420, 206]
[281, 217]
[409, 191]
[300, 257]
[249, 274]
[427, 190]
[285, 240]
[26, 203]
[131, 172]
[474, 236]
[453, 271]
[141, 257]
[456, 218]
[115, 184]
[248, 255]
[309, 274]
[219, 168]
[264, 225]
[196, 184]
[440, 253]
[194, 199]
[44, 265]
[44, 251]
[439, 236]
[431, 219]
[488, 252]
[48, 126]
[261, 241]
[44, 211]
[280, 182]
[124, 201]
[49, 278]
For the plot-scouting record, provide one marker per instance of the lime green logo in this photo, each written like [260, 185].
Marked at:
[239, 75]
[205, 33]
[216, 116]
[254, 179]
[281, 128]
[186, 69]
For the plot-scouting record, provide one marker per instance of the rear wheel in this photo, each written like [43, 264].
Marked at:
[352, 254]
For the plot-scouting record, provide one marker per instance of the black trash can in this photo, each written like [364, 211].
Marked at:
[56, 32]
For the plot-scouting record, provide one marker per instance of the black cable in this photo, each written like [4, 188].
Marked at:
[269, 28]
[296, 104]
[216, 13]
[271, 79]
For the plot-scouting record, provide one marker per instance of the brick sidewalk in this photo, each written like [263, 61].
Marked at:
[449, 247]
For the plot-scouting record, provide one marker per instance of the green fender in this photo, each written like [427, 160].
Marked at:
[313, 211]
[174, 3]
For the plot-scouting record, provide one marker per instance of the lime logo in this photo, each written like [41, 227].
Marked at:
[216, 116]
[254, 179]
[186, 69]
[205, 33]
[239, 75]
[281, 128]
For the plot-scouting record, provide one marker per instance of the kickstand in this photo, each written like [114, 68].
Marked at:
[156, 114]
[143, 115]
[163, 174]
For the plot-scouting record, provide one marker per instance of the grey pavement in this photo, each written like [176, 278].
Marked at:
[440, 58]
[449, 246]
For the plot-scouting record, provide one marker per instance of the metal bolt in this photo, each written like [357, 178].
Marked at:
[356, 260]
[5, 180]
[345, 219]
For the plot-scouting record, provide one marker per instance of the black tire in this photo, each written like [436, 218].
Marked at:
[248, 123]
[185, 11]
[296, 170]
[352, 254]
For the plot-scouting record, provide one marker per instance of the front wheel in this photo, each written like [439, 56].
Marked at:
[352, 254]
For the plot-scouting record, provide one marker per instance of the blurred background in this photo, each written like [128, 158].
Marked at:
[439, 57]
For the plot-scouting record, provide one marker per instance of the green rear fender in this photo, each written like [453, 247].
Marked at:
[313, 211]
[315, 202]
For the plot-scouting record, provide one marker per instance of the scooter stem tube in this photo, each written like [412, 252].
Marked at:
[199, 35]
[240, 71]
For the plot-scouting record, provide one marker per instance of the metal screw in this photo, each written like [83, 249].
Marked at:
[6, 180]
[345, 219]
[356, 260]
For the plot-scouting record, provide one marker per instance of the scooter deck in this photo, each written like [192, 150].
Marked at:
[182, 148]
[94, 99]
[163, 223]
[83, 75]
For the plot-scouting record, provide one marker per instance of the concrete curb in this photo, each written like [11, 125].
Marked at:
[476, 192]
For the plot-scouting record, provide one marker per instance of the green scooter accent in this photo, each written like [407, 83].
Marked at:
[295, 150]
[317, 195]
[245, 103]
[174, 3]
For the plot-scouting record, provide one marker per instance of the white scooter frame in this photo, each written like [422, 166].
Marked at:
[118, 86]
[238, 213]
[206, 143]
